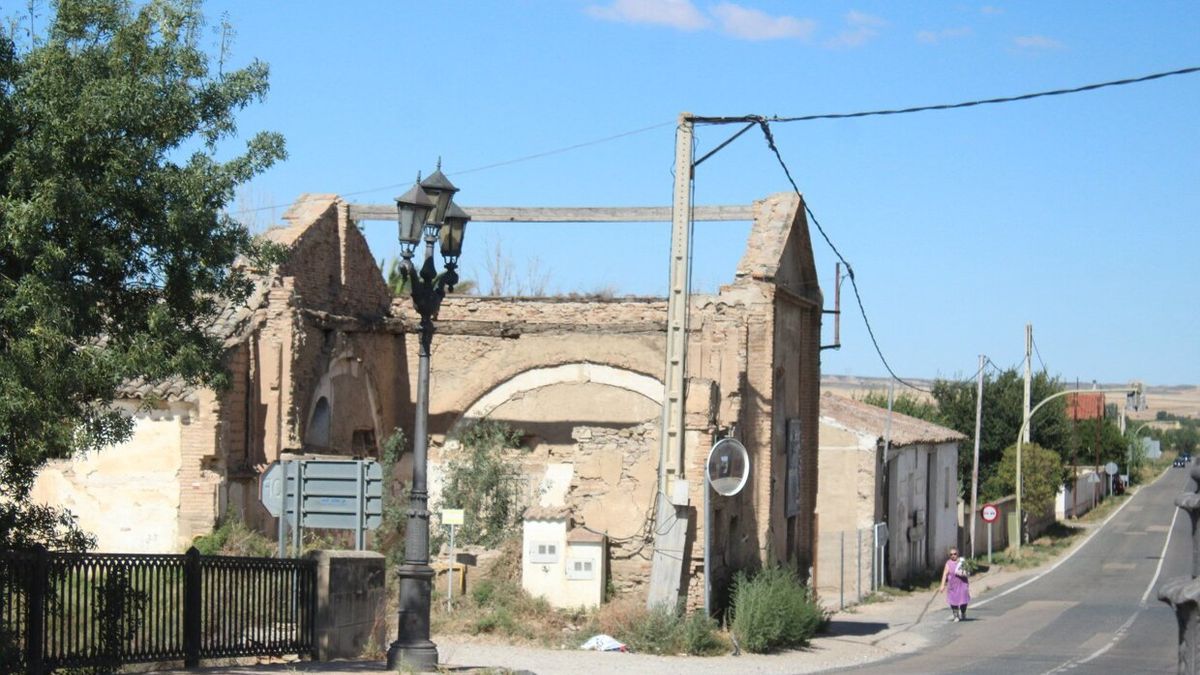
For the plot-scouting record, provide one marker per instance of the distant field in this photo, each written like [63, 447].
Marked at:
[1181, 400]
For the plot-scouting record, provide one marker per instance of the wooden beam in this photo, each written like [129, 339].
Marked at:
[567, 214]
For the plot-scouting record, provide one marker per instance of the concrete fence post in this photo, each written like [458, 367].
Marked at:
[1183, 593]
[351, 603]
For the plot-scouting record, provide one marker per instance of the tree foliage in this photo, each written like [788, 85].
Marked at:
[115, 254]
[1042, 474]
[1003, 414]
[482, 479]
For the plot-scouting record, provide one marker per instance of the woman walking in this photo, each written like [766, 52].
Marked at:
[954, 583]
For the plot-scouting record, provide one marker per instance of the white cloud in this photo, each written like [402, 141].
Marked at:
[991, 10]
[861, 28]
[751, 24]
[679, 14]
[1037, 42]
[933, 37]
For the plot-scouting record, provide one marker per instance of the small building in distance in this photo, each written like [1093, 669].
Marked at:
[1085, 406]
[911, 484]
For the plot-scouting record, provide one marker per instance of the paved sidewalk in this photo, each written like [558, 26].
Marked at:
[856, 636]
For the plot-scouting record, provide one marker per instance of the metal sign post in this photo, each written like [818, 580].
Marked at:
[451, 518]
[990, 513]
[725, 472]
[336, 494]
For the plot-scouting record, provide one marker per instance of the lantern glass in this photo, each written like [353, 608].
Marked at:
[453, 229]
[413, 208]
[441, 191]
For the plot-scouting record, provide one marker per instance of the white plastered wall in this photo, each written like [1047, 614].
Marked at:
[127, 495]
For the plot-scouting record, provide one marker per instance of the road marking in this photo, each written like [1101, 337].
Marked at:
[1157, 528]
[1077, 549]
[1120, 633]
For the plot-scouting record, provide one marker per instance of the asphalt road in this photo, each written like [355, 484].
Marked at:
[1095, 612]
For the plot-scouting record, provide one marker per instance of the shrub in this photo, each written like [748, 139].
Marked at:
[658, 630]
[700, 636]
[232, 537]
[482, 479]
[774, 610]
[654, 632]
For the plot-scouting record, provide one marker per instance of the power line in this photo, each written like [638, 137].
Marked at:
[766, 129]
[1039, 353]
[950, 106]
[507, 162]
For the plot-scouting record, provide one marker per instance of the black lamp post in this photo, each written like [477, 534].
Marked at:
[427, 211]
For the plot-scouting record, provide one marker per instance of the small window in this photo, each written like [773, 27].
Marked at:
[947, 488]
[543, 553]
[579, 568]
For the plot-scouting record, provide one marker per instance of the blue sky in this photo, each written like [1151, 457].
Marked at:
[1074, 213]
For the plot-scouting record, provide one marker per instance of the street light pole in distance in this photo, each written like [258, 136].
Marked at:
[1025, 426]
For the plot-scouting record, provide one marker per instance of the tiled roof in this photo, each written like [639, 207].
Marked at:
[547, 513]
[868, 419]
[581, 535]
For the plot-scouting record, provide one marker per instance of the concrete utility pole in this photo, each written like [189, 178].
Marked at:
[975, 461]
[1028, 376]
[671, 513]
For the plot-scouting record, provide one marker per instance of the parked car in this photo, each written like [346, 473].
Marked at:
[1179, 461]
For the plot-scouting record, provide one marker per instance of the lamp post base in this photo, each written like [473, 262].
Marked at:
[413, 648]
[422, 658]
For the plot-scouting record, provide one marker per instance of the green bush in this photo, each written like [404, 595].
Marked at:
[774, 610]
[232, 537]
[655, 632]
[662, 631]
[700, 636]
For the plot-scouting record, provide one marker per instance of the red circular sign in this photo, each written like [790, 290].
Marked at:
[990, 513]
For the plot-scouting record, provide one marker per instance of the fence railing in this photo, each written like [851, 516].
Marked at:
[60, 610]
[849, 565]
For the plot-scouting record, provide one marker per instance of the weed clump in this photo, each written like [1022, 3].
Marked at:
[773, 610]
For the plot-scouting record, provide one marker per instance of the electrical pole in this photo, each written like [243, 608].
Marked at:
[1028, 376]
[975, 461]
[671, 508]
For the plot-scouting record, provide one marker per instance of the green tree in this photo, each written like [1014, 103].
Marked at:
[1042, 475]
[116, 253]
[1003, 414]
[1096, 441]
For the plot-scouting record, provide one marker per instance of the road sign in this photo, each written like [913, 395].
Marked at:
[990, 513]
[452, 516]
[728, 466]
[338, 494]
[1111, 468]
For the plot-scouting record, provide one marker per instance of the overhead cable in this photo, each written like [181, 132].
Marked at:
[949, 106]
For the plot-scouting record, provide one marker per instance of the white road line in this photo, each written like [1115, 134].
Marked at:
[1120, 633]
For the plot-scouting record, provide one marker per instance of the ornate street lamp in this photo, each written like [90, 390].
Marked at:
[427, 211]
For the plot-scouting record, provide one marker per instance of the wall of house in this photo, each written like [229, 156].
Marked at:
[922, 508]
[127, 495]
[846, 503]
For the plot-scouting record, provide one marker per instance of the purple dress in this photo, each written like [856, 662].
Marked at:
[958, 591]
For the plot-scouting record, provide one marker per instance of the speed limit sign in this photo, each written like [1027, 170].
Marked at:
[990, 513]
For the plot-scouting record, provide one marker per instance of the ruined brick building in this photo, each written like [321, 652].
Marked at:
[323, 360]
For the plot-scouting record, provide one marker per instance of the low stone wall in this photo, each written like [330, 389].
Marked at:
[351, 603]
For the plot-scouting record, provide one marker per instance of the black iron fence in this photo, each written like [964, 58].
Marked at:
[60, 610]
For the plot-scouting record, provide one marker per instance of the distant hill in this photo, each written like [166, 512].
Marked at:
[1177, 399]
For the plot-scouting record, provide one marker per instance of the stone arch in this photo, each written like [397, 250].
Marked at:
[567, 373]
[346, 364]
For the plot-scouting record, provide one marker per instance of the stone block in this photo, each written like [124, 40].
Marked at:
[351, 603]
